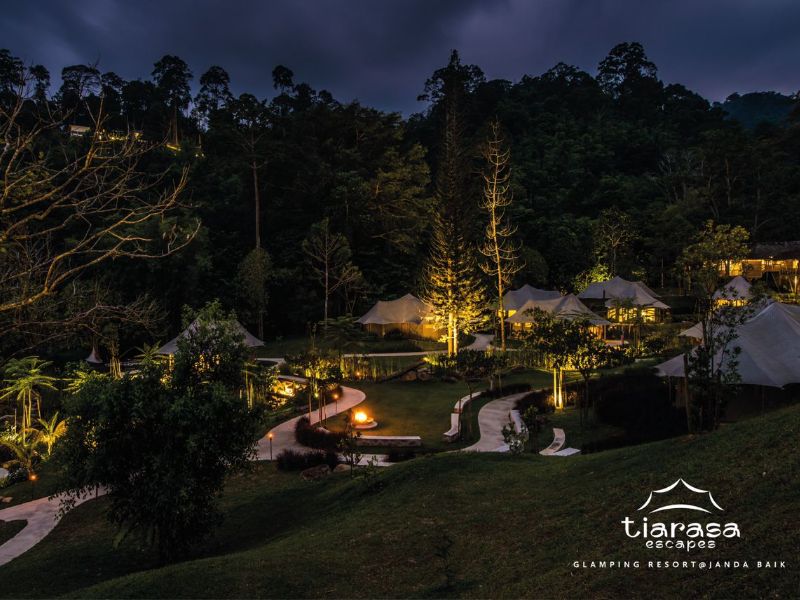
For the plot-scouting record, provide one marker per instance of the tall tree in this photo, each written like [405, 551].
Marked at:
[452, 286]
[328, 255]
[501, 252]
[172, 76]
[214, 93]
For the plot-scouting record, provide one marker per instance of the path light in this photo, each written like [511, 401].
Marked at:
[269, 435]
[32, 477]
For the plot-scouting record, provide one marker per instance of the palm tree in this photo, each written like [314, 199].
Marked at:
[50, 432]
[25, 378]
[24, 450]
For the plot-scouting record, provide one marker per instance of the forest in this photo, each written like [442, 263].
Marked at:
[299, 207]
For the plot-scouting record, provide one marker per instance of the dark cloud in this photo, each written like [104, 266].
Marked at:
[381, 51]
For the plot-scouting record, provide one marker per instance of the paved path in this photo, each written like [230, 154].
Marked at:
[491, 420]
[42, 517]
[482, 342]
[283, 434]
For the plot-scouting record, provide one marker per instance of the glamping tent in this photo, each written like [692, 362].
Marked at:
[770, 349]
[408, 314]
[513, 300]
[626, 300]
[737, 292]
[171, 346]
[563, 307]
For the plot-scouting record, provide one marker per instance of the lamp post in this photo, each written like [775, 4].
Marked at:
[269, 435]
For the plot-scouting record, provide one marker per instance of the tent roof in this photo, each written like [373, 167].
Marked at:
[514, 299]
[171, 346]
[620, 289]
[564, 307]
[408, 309]
[770, 348]
[738, 287]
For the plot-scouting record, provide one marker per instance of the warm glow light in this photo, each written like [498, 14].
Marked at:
[269, 435]
[33, 476]
[360, 417]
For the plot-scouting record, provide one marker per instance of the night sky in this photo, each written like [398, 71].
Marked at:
[381, 51]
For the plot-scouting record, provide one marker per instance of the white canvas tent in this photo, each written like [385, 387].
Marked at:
[737, 288]
[563, 307]
[513, 300]
[408, 314]
[171, 346]
[618, 288]
[770, 349]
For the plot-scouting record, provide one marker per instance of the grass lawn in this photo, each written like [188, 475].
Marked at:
[25, 491]
[423, 408]
[456, 525]
[8, 529]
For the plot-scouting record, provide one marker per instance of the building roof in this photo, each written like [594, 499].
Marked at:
[171, 346]
[770, 348]
[514, 299]
[776, 250]
[563, 307]
[620, 290]
[408, 309]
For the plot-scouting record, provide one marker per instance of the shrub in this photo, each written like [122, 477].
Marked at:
[291, 460]
[541, 399]
[314, 436]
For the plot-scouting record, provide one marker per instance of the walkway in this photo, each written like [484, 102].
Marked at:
[283, 434]
[482, 342]
[42, 517]
[491, 420]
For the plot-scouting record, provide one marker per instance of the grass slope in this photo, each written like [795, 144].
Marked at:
[461, 525]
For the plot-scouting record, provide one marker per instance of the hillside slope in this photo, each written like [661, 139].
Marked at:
[471, 526]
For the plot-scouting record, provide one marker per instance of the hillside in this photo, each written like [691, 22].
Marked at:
[463, 525]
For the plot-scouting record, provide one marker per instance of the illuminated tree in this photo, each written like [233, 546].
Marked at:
[453, 288]
[25, 379]
[500, 251]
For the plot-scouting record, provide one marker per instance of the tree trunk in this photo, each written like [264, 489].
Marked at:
[257, 202]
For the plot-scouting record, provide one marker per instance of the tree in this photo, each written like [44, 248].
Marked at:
[172, 76]
[549, 338]
[68, 207]
[712, 367]
[321, 370]
[328, 256]
[50, 432]
[162, 443]
[588, 353]
[214, 93]
[250, 117]
[501, 252]
[452, 286]
[613, 233]
[25, 380]
[254, 274]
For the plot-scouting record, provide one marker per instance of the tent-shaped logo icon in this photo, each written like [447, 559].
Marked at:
[655, 501]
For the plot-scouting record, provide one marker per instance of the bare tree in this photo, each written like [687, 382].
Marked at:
[501, 252]
[329, 258]
[68, 205]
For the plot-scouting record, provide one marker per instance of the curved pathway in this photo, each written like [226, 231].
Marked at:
[283, 434]
[491, 420]
[42, 516]
[482, 341]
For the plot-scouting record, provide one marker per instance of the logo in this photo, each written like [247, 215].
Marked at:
[691, 488]
[679, 499]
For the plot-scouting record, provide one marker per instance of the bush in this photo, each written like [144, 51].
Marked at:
[14, 476]
[291, 460]
[541, 399]
[314, 436]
